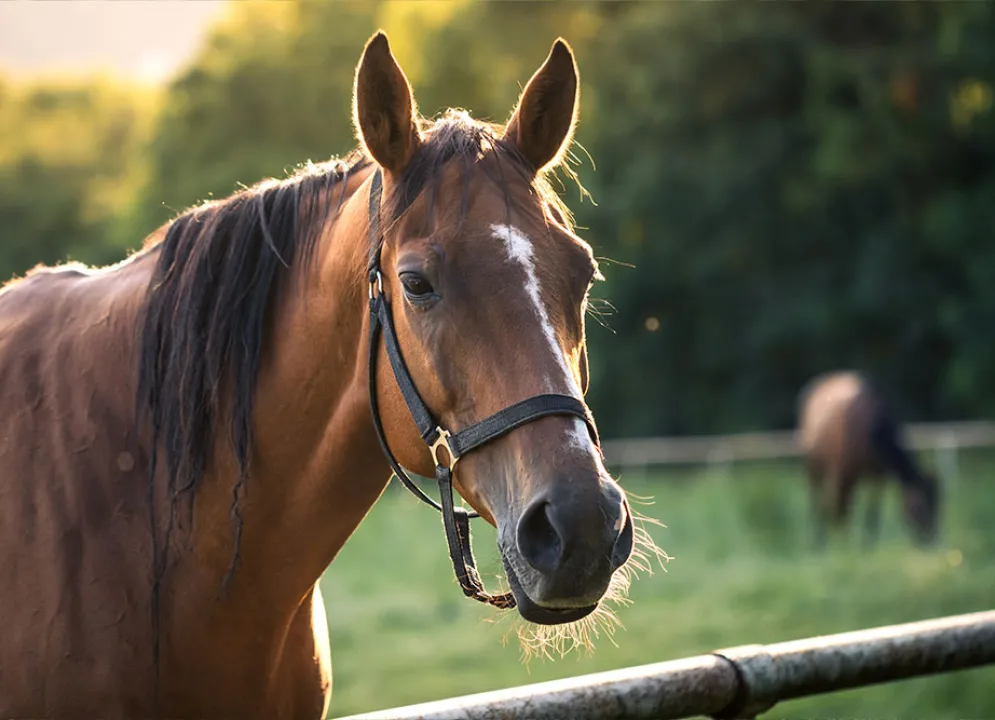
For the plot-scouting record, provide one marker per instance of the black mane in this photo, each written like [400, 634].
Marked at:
[202, 329]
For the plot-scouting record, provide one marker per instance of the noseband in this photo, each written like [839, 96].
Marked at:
[454, 445]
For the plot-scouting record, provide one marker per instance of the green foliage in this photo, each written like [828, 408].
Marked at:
[70, 157]
[743, 572]
[799, 187]
[272, 88]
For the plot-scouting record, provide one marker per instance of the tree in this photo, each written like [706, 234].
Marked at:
[799, 189]
[70, 160]
[271, 89]
[786, 191]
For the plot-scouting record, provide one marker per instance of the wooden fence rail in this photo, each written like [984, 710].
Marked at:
[942, 438]
[740, 682]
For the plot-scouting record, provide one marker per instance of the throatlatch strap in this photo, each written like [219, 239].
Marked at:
[378, 424]
[376, 238]
[419, 411]
[379, 311]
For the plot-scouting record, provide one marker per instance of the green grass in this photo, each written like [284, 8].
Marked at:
[742, 572]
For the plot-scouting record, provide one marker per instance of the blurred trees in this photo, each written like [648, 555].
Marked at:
[798, 188]
[802, 188]
[271, 88]
[70, 161]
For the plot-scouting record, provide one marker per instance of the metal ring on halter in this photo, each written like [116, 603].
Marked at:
[378, 283]
[443, 442]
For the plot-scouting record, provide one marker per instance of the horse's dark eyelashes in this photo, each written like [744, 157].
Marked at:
[417, 288]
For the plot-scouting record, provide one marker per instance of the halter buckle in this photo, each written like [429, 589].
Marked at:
[377, 283]
[442, 440]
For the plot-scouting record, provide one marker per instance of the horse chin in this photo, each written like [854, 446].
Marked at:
[535, 613]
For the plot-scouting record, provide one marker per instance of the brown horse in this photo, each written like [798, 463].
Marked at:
[848, 433]
[162, 558]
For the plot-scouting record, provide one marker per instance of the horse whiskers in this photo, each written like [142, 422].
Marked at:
[645, 551]
[550, 641]
[645, 500]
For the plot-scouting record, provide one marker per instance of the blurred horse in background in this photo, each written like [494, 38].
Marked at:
[849, 435]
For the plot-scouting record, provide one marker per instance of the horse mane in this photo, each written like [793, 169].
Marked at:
[201, 333]
[220, 264]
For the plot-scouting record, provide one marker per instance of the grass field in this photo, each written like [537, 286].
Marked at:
[742, 572]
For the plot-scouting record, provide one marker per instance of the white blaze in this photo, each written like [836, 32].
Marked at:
[521, 252]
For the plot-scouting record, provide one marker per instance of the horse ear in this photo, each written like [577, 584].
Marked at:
[543, 122]
[383, 108]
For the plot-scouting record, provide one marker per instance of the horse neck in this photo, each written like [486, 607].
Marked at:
[886, 440]
[904, 467]
[316, 467]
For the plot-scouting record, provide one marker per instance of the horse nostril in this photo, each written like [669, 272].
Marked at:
[625, 540]
[538, 541]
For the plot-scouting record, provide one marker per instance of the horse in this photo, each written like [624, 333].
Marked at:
[189, 437]
[848, 433]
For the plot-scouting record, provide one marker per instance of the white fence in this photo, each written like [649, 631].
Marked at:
[639, 454]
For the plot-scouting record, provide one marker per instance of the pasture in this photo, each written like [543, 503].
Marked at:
[742, 572]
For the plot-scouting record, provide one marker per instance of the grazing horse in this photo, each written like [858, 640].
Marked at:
[847, 433]
[160, 558]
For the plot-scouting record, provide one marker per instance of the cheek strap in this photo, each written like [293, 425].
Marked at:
[455, 519]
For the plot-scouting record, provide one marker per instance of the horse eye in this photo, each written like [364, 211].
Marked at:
[415, 286]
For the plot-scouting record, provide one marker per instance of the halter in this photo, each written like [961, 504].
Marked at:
[454, 445]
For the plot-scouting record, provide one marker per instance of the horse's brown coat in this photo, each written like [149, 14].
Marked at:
[112, 605]
[73, 510]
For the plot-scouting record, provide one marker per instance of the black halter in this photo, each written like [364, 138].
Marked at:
[455, 445]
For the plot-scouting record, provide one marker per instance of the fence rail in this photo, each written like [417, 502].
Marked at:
[740, 682]
[647, 452]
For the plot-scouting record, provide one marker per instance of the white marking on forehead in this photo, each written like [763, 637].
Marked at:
[521, 251]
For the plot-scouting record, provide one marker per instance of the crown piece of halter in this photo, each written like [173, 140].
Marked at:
[439, 439]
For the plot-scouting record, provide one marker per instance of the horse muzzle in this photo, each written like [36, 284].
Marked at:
[560, 565]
